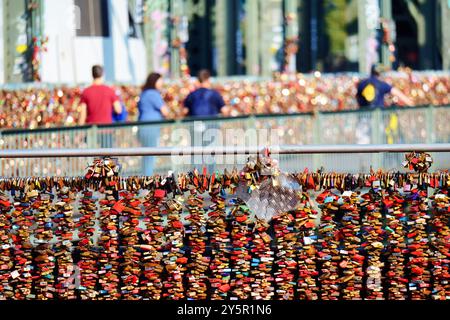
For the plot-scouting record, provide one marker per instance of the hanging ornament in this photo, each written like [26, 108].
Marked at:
[39, 46]
[388, 37]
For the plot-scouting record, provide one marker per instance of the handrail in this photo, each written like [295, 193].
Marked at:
[218, 150]
[12, 131]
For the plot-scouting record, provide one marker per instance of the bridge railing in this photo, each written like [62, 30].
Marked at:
[425, 124]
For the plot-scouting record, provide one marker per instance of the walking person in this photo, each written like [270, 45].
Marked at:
[372, 91]
[370, 95]
[204, 102]
[98, 103]
[151, 108]
[123, 116]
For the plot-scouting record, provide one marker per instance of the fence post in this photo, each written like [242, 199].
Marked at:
[430, 116]
[92, 137]
[317, 139]
[377, 135]
[250, 123]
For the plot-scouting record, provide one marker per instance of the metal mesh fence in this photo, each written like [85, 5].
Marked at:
[418, 125]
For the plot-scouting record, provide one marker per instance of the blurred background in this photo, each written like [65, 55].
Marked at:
[228, 37]
[290, 66]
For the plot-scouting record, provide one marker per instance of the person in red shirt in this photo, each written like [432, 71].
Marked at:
[98, 101]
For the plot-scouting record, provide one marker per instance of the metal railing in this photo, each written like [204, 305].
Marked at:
[387, 126]
[224, 150]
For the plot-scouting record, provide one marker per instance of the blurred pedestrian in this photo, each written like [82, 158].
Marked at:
[123, 116]
[372, 91]
[204, 101]
[151, 108]
[98, 101]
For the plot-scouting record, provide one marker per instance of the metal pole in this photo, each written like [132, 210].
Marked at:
[231, 10]
[291, 10]
[314, 34]
[445, 21]
[92, 137]
[175, 13]
[368, 22]
[379, 135]
[14, 37]
[147, 32]
[291, 30]
[154, 34]
[285, 149]
[317, 138]
[430, 117]
[362, 37]
[268, 10]
[252, 37]
[386, 13]
[35, 31]
[221, 37]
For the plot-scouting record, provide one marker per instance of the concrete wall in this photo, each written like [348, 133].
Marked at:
[69, 58]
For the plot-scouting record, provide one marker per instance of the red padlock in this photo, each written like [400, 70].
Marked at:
[159, 193]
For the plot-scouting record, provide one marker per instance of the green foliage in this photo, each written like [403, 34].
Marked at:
[336, 25]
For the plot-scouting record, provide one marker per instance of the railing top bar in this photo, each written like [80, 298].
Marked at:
[223, 150]
[363, 148]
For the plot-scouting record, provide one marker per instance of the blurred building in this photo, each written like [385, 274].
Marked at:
[57, 41]
[64, 38]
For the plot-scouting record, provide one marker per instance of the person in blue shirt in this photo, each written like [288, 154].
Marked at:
[204, 101]
[151, 108]
[370, 95]
[371, 91]
[123, 116]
